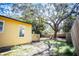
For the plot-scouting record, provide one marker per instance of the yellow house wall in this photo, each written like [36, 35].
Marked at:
[10, 35]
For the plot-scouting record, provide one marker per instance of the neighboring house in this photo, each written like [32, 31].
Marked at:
[14, 32]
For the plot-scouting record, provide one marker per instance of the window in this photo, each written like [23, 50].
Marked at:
[21, 32]
[1, 26]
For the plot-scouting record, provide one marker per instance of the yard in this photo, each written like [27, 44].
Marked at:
[26, 50]
[41, 48]
[53, 27]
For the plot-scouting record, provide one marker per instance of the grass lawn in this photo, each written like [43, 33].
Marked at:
[61, 48]
[58, 48]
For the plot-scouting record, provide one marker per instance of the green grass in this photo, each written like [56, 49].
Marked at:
[61, 47]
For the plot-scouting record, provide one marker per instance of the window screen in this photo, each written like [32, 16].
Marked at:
[1, 26]
[21, 32]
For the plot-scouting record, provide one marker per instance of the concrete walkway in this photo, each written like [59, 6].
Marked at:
[28, 50]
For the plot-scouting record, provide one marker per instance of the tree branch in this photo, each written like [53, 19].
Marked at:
[50, 25]
[72, 10]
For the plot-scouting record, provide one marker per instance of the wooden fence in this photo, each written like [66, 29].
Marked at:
[75, 35]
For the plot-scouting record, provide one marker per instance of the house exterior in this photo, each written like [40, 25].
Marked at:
[14, 32]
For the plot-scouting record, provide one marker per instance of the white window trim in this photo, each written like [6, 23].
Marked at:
[3, 26]
[19, 31]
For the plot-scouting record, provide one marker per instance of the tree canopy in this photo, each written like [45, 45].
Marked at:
[52, 14]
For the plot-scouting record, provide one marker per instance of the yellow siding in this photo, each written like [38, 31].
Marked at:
[10, 35]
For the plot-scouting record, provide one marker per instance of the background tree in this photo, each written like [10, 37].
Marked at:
[53, 14]
[67, 24]
[38, 26]
[29, 14]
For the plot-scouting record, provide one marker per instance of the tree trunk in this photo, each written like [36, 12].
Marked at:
[55, 34]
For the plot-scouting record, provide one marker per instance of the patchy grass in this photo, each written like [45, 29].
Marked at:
[26, 50]
[58, 48]
[61, 48]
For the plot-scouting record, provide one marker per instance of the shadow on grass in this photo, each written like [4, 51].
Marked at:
[61, 48]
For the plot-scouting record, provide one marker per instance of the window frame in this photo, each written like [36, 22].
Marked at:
[2, 26]
[19, 31]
